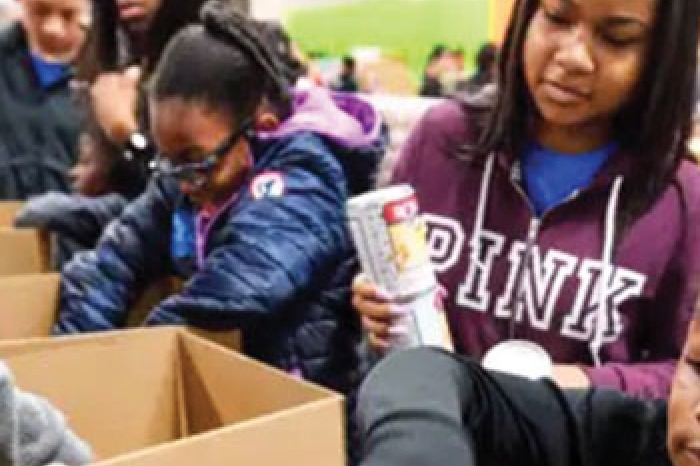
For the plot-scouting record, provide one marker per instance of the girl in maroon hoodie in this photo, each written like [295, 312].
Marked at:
[560, 207]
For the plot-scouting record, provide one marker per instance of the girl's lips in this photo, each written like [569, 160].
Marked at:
[130, 11]
[563, 94]
[692, 453]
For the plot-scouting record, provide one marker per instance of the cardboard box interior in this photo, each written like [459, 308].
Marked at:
[126, 392]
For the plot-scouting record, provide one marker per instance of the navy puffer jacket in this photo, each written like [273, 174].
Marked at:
[277, 262]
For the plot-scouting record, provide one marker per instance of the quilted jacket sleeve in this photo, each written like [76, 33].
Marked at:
[98, 286]
[79, 217]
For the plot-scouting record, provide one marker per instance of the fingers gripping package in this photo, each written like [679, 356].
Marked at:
[390, 238]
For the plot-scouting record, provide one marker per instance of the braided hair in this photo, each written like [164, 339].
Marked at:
[225, 62]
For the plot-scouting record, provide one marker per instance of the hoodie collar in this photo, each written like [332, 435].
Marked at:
[619, 164]
[345, 119]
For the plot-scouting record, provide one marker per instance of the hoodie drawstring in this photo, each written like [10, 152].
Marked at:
[606, 271]
[607, 267]
[475, 241]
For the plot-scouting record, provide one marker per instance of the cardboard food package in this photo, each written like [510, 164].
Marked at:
[29, 307]
[23, 251]
[167, 397]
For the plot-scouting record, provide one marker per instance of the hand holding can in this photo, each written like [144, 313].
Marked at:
[398, 301]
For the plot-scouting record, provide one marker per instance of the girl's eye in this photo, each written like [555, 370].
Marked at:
[694, 365]
[557, 19]
[619, 42]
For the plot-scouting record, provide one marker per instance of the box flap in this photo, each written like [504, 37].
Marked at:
[308, 435]
[117, 390]
[23, 251]
[28, 305]
[8, 210]
[223, 387]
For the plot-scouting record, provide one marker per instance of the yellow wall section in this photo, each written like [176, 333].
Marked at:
[499, 15]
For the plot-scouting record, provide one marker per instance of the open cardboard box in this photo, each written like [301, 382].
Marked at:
[23, 251]
[8, 210]
[167, 397]
[28, 305]
[29, 308]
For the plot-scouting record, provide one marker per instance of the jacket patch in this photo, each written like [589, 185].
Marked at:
[268, 184]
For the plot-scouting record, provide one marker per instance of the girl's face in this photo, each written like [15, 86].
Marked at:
[583, 58]
[89, 175]
[189, 133]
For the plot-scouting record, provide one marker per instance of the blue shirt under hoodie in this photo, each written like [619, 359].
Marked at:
[550, 177]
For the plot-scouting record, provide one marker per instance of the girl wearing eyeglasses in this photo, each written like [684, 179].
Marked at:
[247, 206]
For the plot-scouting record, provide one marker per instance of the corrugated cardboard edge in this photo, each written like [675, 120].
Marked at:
[333, 405]
[114, 337]
[29, 251]
[29, 305]
[214, 346]
[8, 211]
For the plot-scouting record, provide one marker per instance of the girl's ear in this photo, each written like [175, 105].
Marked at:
[266, 121]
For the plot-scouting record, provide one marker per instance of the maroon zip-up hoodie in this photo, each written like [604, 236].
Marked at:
[510, 275]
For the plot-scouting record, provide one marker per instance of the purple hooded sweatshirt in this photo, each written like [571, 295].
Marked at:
[642, 286]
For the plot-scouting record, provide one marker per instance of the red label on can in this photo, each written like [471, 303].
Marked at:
[402, 210]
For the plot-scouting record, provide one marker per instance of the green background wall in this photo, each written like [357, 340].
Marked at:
[406, 29]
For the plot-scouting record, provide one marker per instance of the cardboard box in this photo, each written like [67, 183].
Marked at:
[29, 307]
[8, 210]
[23, 251]
[167, 397]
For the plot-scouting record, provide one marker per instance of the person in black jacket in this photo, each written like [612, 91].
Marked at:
[246, 207]
[39, 117]
[426, 407]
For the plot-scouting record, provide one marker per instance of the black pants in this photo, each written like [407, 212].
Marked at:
[424, 407]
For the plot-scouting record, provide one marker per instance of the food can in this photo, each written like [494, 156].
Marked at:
[390, 238]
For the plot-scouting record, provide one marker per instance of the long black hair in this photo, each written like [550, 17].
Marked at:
[103, 43]
[654, 125]
[227, 62]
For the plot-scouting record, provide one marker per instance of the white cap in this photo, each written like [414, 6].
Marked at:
[519, 357]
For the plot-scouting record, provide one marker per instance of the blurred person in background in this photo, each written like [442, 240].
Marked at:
[103, 183]
[39, 116]
[129, 37]
[486, 70]
[434, 70]
[347, 80]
